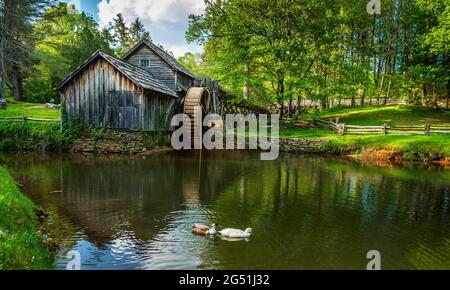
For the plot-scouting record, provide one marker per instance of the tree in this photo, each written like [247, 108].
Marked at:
[63, 42]
[138, 32]
[17, 43]
[127, 36]
[284, 50]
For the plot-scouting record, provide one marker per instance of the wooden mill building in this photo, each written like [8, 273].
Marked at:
[141, 91]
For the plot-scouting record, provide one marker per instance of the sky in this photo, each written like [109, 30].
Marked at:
[167, 20]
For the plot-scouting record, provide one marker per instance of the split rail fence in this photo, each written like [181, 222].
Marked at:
[25, 119]
[345, 129]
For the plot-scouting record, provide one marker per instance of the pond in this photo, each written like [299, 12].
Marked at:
[307, 212]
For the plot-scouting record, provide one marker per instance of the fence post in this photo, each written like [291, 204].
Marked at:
[385, 128]
[24, 119]
[427, 129]
[341, 128]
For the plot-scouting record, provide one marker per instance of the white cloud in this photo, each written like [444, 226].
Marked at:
[179, 50]
[166, 20]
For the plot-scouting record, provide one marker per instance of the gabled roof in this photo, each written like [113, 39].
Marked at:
[136, 74]
[170, 60]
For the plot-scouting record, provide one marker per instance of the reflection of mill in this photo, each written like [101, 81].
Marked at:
[108, 196]
[208, 175]
[309, 205]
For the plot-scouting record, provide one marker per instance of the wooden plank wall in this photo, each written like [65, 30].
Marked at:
[158, 113]
[103, 97]
[185, 81]
[158, 67]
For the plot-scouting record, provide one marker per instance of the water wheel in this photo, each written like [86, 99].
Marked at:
[197, 97]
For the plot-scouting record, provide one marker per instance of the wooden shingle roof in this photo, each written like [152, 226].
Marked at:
[136, 74]
[170, 60]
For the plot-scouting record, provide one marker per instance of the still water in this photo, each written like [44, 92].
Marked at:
[307, 212]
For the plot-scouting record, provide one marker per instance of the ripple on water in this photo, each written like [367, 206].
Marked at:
[306, 212]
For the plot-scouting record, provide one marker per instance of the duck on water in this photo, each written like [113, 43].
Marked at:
[204, 230]
[227, 233]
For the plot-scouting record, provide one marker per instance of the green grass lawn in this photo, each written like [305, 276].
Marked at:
[379, 115]
[399, 115]
[16, 109]
[20, 245]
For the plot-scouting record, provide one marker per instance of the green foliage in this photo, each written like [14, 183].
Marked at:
[41, 136]
[326, 50]
[20, 245]
[65, 41]
[100, 134]
[72, 131]
[125, 37]
[7, 144]
[31, 136]
[152, 140]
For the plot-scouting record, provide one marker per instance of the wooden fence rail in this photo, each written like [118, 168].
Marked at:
[25, 119]
[345, 129]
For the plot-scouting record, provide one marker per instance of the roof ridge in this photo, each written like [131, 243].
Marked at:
[153, 78]
[156, 86]
[167, 57]
[128, 63]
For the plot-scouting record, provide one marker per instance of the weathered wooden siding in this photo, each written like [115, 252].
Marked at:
[158, 112]
[103, 97]
[185, 80]
[158, 67]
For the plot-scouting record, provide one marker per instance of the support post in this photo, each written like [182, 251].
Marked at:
[341, 129]
[427, 129]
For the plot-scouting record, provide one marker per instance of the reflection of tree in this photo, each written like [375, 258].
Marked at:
[306, 215]
[105, 195]
[306, 212]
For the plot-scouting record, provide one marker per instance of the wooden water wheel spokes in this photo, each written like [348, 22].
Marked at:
[197, 97]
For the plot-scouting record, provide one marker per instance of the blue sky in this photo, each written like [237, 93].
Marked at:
[89, 6]
[167, 20]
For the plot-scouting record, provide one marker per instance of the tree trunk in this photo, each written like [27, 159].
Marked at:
[363, 95]
[290, 106]
[448, 94]
[297, 108]
[246, 91]
[246, 85]
[425, 93]
[435, 98]
[281, 96]
[17, 84]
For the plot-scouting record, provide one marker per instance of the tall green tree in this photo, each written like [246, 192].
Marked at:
[17, 53]
[63, 41]
[126, 36]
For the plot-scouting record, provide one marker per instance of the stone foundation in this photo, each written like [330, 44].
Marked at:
[120, 142]
[126, 142]
[303, 146]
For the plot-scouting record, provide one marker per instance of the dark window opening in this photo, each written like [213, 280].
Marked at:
[145, 63]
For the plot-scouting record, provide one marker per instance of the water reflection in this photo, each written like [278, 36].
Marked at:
[306, 212]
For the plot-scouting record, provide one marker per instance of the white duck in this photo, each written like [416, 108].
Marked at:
[235, 233]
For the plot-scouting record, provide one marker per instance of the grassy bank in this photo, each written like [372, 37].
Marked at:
[414, 147]
[21, 247]
[34, 136]
[39, 136]
[17, 109]
[399, 115]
